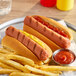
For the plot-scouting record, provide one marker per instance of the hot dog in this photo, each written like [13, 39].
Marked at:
[27, 45]
[48, 30]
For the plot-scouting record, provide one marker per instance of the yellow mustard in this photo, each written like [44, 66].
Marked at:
[65, 5]
[33, 38]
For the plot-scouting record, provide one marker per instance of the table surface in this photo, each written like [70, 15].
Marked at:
[22, 8]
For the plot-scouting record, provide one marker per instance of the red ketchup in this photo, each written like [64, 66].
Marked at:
[64, 57]
[51, 27]
[48, 3]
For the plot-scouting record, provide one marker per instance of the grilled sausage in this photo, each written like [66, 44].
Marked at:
[50, 34]
[34, 47]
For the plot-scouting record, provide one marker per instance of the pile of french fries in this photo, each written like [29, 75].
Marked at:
[16, 65]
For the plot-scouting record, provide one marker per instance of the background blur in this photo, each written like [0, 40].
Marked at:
[22, 8]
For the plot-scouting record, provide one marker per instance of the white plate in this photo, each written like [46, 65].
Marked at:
[18, 23]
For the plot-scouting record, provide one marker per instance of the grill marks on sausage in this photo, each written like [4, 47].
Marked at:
[26, 41]
[31, 45]
[23, 38]
[37, 47]
[44, 29]
[50, 34]
[34, 47]
[12, 30]
[18, 36]
[30, 20]
[60, 38]
[42, 54]
[36, 23]
[15, 33]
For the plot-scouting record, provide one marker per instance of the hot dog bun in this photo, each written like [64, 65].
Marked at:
[26, 45]
[50, 37]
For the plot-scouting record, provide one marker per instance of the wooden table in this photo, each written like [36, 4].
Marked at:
[22, 8]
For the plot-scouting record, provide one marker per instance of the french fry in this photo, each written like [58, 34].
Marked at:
[38, 71]
[6, 66]
[56, 72]
[7, 71]
[57, 68]
[39, 67]
[4, 51]
[2, 55]
[22, 74]
[14, 64]
[21, 59]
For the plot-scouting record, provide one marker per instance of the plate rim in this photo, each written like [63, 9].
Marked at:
[21, 19]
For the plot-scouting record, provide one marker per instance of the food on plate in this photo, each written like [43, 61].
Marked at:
[27, 45]
[22, 74]
[38, 71]
[22, 60]
[49, 31]
[7, 71]
[13, 64]
[22, 52]
[64, 56]
[57, 68]
[3, 65]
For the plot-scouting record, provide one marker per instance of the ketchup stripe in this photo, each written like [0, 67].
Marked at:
[57, 30]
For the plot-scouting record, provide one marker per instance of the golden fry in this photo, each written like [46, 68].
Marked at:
[22, 74]
[2, 55]
[57, 68]
[7, 71]
[4, 51]
[14, 64]
[39, 67]
[6, 66]
[56, 72]
[38, 71]
[21, 59]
